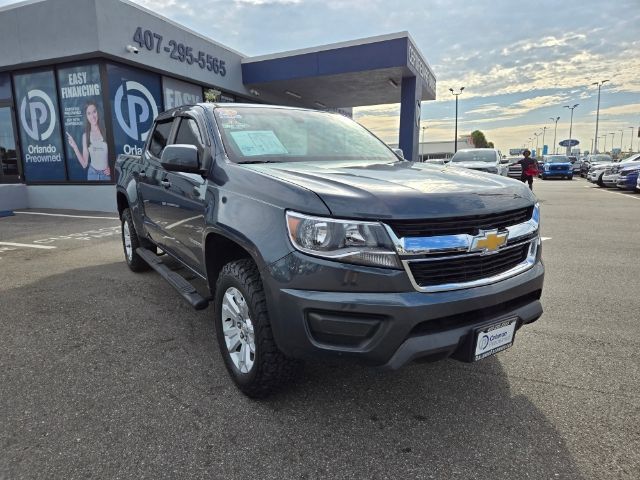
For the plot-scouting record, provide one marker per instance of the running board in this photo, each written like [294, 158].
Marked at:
[184, 288]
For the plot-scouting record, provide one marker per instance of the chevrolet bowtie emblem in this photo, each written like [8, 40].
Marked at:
[488, 241]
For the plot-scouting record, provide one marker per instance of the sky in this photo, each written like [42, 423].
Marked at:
[520, 62]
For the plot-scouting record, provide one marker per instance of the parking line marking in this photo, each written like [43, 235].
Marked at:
[626, 195]
[542, 239]
[28, 245]
[65, 215]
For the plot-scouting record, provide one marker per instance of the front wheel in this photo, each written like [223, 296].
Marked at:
[244, 333]
[130, 242]
[570, 177]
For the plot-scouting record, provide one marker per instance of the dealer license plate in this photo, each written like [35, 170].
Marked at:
[494, 338]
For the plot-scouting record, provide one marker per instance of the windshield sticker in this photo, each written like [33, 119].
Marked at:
[258, 142]
[233, 123]
[228, 113]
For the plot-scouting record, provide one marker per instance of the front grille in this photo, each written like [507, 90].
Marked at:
[467, 268]
[470, 225]
[557, 167]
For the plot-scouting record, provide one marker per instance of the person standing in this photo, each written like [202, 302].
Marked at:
[529, 168]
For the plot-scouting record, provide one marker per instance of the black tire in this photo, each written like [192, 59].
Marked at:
[271, 369]
[599, 182]
[134, 261]
[570, 177]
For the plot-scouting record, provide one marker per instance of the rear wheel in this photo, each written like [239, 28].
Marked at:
[130, 242]
[244, 333]
[599, 182]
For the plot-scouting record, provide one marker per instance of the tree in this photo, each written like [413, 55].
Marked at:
[479, 140]
[491, 145]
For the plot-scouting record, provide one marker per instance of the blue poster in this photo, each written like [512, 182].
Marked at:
[83, 121]
[37, 106]
[136, 99]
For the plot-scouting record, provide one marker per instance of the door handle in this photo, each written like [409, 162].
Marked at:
[165, 183]
[143, 174]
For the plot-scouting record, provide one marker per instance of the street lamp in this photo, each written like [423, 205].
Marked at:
[591, 151]
[455, 148]
[631, 141]
[555, 131]
[621, 136]
[595, 147]
[424, 127]
[605, 143]
[570, 125]
[613, 135]
[537, 151]
[544, 129]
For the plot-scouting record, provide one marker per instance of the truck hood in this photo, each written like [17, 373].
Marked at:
[356, 189]
[475, 165]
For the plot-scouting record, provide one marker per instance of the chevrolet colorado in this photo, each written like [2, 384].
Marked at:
[317, 240]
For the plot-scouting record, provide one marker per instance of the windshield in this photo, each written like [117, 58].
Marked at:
[557, 159]
[632, 158]
[261, 134]
[474, 156]
[601, 158]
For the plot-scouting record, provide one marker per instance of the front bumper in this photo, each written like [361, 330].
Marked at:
[390, 328]
[628, 182]
[556, 173]
[610, 180]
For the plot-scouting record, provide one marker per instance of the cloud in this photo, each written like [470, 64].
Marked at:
[632, 108]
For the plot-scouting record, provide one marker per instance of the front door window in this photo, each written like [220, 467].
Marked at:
[8, 157]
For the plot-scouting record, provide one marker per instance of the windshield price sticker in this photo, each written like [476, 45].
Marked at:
[258, 142]
[179, 51]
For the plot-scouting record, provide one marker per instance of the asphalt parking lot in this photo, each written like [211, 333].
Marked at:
[109, 374]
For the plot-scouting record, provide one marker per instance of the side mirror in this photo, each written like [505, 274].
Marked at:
[504, 161]
[180, 158]
[398, 152]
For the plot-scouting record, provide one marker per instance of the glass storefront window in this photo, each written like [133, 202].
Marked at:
[8, 158]
[83, 121]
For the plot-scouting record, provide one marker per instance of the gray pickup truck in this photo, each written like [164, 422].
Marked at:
[318, 241]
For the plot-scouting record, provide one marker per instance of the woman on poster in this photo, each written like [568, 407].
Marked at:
[94, 146]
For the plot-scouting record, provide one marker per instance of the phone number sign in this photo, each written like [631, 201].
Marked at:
[154, 42]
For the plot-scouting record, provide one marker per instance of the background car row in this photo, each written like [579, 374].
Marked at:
[622, 174]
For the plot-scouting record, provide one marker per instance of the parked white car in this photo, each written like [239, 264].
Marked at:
[481, 159]
[610, 174]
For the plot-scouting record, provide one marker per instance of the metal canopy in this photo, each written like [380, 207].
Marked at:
[363, 72]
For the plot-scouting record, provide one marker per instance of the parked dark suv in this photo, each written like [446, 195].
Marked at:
[316, 240]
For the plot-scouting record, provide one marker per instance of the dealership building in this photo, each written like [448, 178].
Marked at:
[82, 80]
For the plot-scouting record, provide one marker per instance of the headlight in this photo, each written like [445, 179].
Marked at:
[546, 166]
[363, 243]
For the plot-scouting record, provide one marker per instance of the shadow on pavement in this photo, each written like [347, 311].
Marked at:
[108, 374]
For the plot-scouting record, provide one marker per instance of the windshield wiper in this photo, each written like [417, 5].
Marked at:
[259, 161]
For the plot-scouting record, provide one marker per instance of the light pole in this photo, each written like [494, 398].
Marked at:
[455, 148]
[591, 151]
[605, 143]
[621, 135]
[555, 131]
[613, 135]
[537, 151]
[544, 129]
[570, 125]
[595, 147]
[631, 142]
[424, 127]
